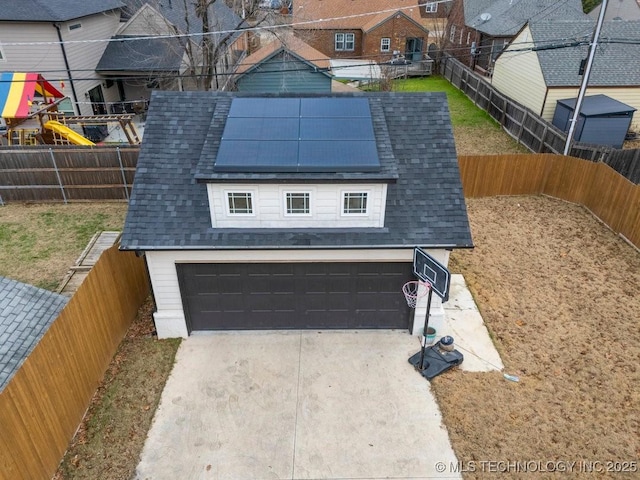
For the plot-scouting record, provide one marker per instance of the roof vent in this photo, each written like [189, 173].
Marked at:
[485, 17]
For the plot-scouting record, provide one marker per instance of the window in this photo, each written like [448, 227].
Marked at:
[75, 26]
[452, 33]
[2, 57]
[240, 203]
[345, 41]
[461, 34]
[297, 203]
[431, 7]
[355, 203]
[468, 37]
[385, 44]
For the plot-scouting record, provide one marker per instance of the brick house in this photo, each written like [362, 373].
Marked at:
[479, 30]
[371, 29]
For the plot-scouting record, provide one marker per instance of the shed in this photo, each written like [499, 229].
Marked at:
[603, 120]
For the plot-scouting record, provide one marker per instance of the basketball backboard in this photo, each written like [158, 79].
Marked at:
[428, 269]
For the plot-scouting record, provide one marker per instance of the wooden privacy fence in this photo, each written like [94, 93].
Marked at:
[43, 404]
[530, 129]
[67, 173]
[606, 193]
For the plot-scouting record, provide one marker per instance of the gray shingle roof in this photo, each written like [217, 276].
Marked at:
[615, 64]
[142, 55]
[53, 10]
[506, 17]
[26, 312]
[169, 208]
[596, 105]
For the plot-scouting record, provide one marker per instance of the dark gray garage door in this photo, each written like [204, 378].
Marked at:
[294, 295]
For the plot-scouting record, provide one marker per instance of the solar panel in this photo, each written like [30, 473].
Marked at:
[320, 134]
[265, 107]
[336, 129]
[261, 129]
[335, 107]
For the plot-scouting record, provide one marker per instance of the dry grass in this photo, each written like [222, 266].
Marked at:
[559, 294]
[39, 242]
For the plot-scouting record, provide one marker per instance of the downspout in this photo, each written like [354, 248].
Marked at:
[76, 107]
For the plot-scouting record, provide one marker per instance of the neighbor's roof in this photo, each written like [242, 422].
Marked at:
[221, 17]
[596, 105]
[53, 10]
[26, 312]
[290, 44]
[361, 12]
[504, 18]
[147, 54]
[615, 64]
[618, 9]
[169, 209]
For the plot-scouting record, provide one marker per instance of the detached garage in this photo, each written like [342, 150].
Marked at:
[293, 212]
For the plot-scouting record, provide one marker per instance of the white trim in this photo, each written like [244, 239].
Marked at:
[298, 191]
[382, 44]
[344, 41]
[431, 7]
[252, 200]
[344, 193]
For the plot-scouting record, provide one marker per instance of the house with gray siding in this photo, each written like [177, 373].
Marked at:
[57, 38]
[542, 65]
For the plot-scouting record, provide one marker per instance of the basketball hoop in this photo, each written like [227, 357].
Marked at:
[412, 291]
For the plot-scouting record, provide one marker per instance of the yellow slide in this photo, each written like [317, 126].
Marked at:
[66, 132]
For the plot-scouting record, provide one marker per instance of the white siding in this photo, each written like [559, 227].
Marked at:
[84, 57]
[628, 95]
[518, 74]
[169, 316]
[269, 206]
[147, 21]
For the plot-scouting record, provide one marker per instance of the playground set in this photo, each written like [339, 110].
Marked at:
[29, 105]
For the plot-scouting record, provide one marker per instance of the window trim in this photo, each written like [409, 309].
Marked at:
[431, 7]
[287, 195]
[364, 194]
[250, 195]
[452, 34]
[344, 42]
[388, 44]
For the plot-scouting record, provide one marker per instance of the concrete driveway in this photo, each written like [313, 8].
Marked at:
[297, 405]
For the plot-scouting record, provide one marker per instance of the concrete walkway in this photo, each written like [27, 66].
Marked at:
[309, 405]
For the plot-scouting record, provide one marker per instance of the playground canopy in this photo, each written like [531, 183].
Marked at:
[17, 90]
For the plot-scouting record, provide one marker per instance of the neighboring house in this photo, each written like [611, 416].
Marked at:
[65, 52]
[373, 29]
[141, 57]
[618, 10]
[286, 65]
[26, 313]
[479, 30]
[293, 212]
[542, 65]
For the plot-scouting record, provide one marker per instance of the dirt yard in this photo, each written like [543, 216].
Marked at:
[560, 294]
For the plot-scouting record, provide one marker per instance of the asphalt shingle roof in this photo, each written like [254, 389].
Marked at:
[26, 312]
[53, 10]
[169, 207]
[615, 64]
[142, 54]
[504, 18]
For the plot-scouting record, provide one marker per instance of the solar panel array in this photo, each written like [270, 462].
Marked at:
[298, 135]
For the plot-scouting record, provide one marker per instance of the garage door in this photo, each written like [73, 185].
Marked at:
[294, 295]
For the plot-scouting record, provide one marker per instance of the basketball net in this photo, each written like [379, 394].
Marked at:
[414, 290]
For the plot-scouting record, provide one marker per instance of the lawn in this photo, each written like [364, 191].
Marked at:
[39, 242]
[475, 132]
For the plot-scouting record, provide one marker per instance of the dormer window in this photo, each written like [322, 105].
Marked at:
[240, 203]
[431, 7]
[354, 203]
[297, 203]
[345, 42]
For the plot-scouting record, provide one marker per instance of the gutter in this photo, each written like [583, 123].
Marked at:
[76, 107]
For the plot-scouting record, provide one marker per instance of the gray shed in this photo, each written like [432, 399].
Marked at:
[602, 121]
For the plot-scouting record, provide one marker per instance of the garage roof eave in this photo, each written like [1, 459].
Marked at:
[150, 248]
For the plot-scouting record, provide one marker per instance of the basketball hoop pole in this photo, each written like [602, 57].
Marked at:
[424, 332]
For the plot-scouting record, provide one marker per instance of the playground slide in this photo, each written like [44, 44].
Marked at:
[66, 132]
